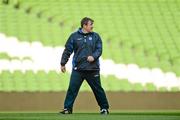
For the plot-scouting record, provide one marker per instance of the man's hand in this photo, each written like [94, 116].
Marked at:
[63, 69]
[90, 58]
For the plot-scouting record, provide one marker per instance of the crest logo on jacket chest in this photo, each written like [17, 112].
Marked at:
[90, 38]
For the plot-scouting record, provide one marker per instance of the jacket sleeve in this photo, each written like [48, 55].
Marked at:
[98, 48]
[67, 51]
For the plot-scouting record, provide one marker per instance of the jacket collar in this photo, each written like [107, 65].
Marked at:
[80, 31]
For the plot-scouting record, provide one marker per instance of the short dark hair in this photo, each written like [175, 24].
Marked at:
[85, 20]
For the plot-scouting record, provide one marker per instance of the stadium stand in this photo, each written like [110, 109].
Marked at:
[142, 32]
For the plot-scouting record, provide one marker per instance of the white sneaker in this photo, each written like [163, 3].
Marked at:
[104, 111]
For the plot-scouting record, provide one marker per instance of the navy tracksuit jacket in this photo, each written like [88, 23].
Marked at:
[83, 45]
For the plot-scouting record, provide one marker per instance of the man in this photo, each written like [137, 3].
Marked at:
[87, 48]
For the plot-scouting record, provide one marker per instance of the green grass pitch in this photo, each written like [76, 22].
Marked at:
[160, 115]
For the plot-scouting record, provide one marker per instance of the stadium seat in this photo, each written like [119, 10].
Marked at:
[7, 82]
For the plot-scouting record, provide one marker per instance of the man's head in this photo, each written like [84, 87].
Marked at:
[87, 24]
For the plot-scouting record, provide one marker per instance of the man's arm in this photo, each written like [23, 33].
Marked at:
[98, 48]
[66, 53]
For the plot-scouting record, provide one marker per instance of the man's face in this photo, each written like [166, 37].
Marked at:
[89, 26]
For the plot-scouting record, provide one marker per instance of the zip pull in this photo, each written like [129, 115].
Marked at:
[84, 38]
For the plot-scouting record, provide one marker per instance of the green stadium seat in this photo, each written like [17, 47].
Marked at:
[43, 81]
[163, 89]
[32, 84]
[175, 89]
[19, 81]
[137, 87]
[150, 87]
[7, 82]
